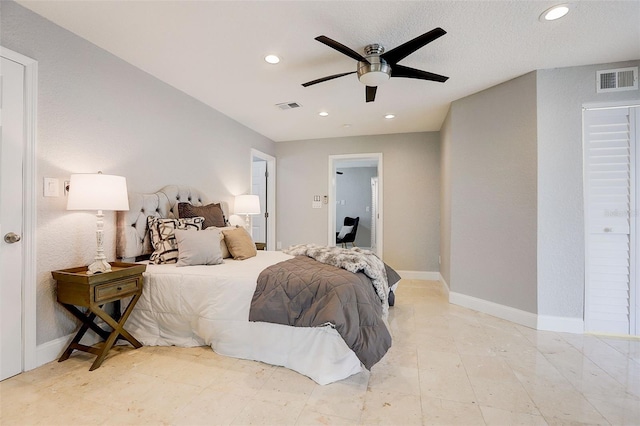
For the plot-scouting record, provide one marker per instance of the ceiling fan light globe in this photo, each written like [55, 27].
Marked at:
[373, 74]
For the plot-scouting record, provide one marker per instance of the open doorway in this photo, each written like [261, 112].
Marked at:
[355, 190]
[263, 184]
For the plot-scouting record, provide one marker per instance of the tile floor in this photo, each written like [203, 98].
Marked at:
[448, 365]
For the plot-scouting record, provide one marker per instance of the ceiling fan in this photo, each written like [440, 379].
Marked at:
[377, 66]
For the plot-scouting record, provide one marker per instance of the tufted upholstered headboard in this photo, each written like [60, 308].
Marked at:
[132, 236]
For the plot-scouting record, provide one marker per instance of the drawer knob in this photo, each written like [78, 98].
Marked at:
[119, 288]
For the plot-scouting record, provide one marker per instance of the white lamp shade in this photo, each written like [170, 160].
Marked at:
[95, 191]
[247, 204]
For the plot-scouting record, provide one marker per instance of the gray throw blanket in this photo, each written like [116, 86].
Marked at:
[305, 293]
[353, 260]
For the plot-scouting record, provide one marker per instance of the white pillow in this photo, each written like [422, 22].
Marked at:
[223, 243]
[344, 231]
[198, 247]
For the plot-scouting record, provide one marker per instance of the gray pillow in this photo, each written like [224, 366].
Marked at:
[344, 231]
[198, 247]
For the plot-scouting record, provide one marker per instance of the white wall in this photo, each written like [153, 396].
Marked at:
[561, 93]
[411, 173]
[97, 112]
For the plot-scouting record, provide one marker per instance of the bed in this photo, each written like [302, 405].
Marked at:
[210, 305]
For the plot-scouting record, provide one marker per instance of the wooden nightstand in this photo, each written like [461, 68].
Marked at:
[261, 246]
[76, 288]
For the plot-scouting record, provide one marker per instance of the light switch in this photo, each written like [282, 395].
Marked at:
[51, 187]
[316, 205]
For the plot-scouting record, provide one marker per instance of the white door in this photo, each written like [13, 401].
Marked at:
[611, 206]
[11, 204]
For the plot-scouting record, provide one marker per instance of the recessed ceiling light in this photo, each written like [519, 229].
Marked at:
[389, 116]
[346, 125]
[323, 113]
[555, 12]
[272, 59]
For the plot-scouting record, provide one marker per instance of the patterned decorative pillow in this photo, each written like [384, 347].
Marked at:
[212, 213]
[163, 239]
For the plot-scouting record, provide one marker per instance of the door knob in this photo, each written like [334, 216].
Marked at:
[11, 238]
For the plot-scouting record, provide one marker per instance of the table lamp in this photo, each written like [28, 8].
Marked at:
[246, 205]
[96, 191]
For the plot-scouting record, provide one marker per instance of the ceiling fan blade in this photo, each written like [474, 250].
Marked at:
[371, 93]
[329, 77]
[406, 72]
[341, 48]
[397, 54]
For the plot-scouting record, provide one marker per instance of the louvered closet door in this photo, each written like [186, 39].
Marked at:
[610, 208]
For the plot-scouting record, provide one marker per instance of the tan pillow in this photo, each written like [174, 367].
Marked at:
[240, 244]
[223, 244]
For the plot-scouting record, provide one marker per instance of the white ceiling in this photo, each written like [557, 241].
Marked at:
[213, 50]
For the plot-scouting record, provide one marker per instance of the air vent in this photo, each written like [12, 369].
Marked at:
[617, 80]
[288, 105]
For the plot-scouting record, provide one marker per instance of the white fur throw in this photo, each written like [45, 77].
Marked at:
[353, 260]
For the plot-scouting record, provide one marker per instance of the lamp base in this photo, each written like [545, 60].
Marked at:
[98, 267]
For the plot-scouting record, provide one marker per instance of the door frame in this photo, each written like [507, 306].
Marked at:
[271, 194]
[333, 159]
[29, 304]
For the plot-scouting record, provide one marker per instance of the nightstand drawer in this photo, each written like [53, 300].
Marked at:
[115, 289]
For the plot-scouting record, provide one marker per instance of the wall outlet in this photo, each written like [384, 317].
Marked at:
[279, 245]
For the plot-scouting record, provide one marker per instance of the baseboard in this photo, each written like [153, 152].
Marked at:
[501, 311]
[51, 350]
[445, 284]
[562, 324]
[420, 275]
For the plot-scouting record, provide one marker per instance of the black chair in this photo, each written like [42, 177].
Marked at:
[350, 236]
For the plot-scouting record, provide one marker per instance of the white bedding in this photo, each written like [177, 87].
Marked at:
[209, 305]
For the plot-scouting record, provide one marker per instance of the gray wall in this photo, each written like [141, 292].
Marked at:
[97, 112]
[561, 93]
[509, 152]
[411, 190]
[490, 155]
[354, 187]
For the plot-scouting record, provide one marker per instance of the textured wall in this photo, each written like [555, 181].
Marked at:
[411, 191]
[97, 112]
[493, 188]
[561, 95]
